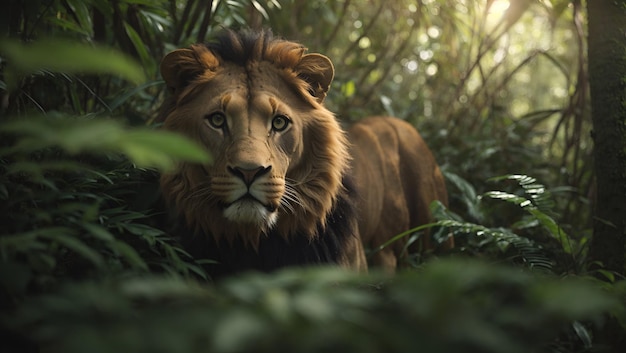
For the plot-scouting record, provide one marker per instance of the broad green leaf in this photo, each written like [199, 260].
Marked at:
[610, 276]
[147, 61]
[553, 228]
[159, 148]
[69, 57]
[145, 147]
[74, 136]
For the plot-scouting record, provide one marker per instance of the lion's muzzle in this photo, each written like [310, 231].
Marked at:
[249, 194]
[249, 175]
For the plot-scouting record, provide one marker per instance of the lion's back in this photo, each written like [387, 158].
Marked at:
[397, 178]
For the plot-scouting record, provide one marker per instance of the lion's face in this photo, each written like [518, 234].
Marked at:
[278, 154]
[254, 133]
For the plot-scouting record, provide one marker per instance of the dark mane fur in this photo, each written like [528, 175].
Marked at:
[241, 47]
[274, 252]
[245, 46]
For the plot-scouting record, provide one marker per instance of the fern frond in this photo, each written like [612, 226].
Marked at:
[538, 204]
[532, 254]
[537, 193]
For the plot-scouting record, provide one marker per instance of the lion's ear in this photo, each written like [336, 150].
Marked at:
[181, 66]
[318, 71]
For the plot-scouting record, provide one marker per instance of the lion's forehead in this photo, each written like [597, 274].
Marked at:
[238, 104]
[253, 86]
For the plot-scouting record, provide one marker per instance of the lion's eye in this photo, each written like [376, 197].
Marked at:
[216, 120]
[280, 123]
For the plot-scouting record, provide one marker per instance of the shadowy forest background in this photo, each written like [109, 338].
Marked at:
[501, 90]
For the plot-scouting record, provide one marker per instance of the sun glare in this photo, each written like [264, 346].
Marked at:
[497, 10]
[499, 7]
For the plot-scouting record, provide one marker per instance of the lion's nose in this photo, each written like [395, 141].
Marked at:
[249, 175]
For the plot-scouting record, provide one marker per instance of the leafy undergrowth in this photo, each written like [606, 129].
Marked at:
[447, 306]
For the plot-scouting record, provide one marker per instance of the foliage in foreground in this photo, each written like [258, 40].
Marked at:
[448, 306]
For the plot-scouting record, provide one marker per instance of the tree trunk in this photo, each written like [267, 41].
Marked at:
[607, 72]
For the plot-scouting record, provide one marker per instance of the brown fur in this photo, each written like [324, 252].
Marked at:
[297, 173]
[397, 178]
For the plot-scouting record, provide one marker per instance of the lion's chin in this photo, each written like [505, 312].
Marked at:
[251, 212]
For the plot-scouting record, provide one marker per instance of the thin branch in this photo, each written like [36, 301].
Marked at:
[183, 21]
[338, 24]
[34, 26]
[204, 26]
[195, 14]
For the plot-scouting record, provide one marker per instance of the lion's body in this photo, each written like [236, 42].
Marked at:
[278, 192]
[396, 178]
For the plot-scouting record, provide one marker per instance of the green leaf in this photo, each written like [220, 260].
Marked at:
[81, 12]
[553, 228]
[98, 231]
[583, 334]
[123, 97]
[69, 57]
[79, 247]
[545, 220]
[27, 241]
[610, 276]
[147, 60]
[145, 147]
[161, 148]
[73, 135]
[129, 254]
[467, 195]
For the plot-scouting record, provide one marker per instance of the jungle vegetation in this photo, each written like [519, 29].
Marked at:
[502, 91]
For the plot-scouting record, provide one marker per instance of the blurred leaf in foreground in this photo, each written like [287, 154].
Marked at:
[66, 56]
[145, 147]
[448, 306]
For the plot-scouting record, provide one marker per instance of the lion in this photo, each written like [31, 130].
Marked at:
[287, 186]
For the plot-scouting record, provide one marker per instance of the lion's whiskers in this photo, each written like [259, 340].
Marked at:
[290, 196]
[287, 206]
